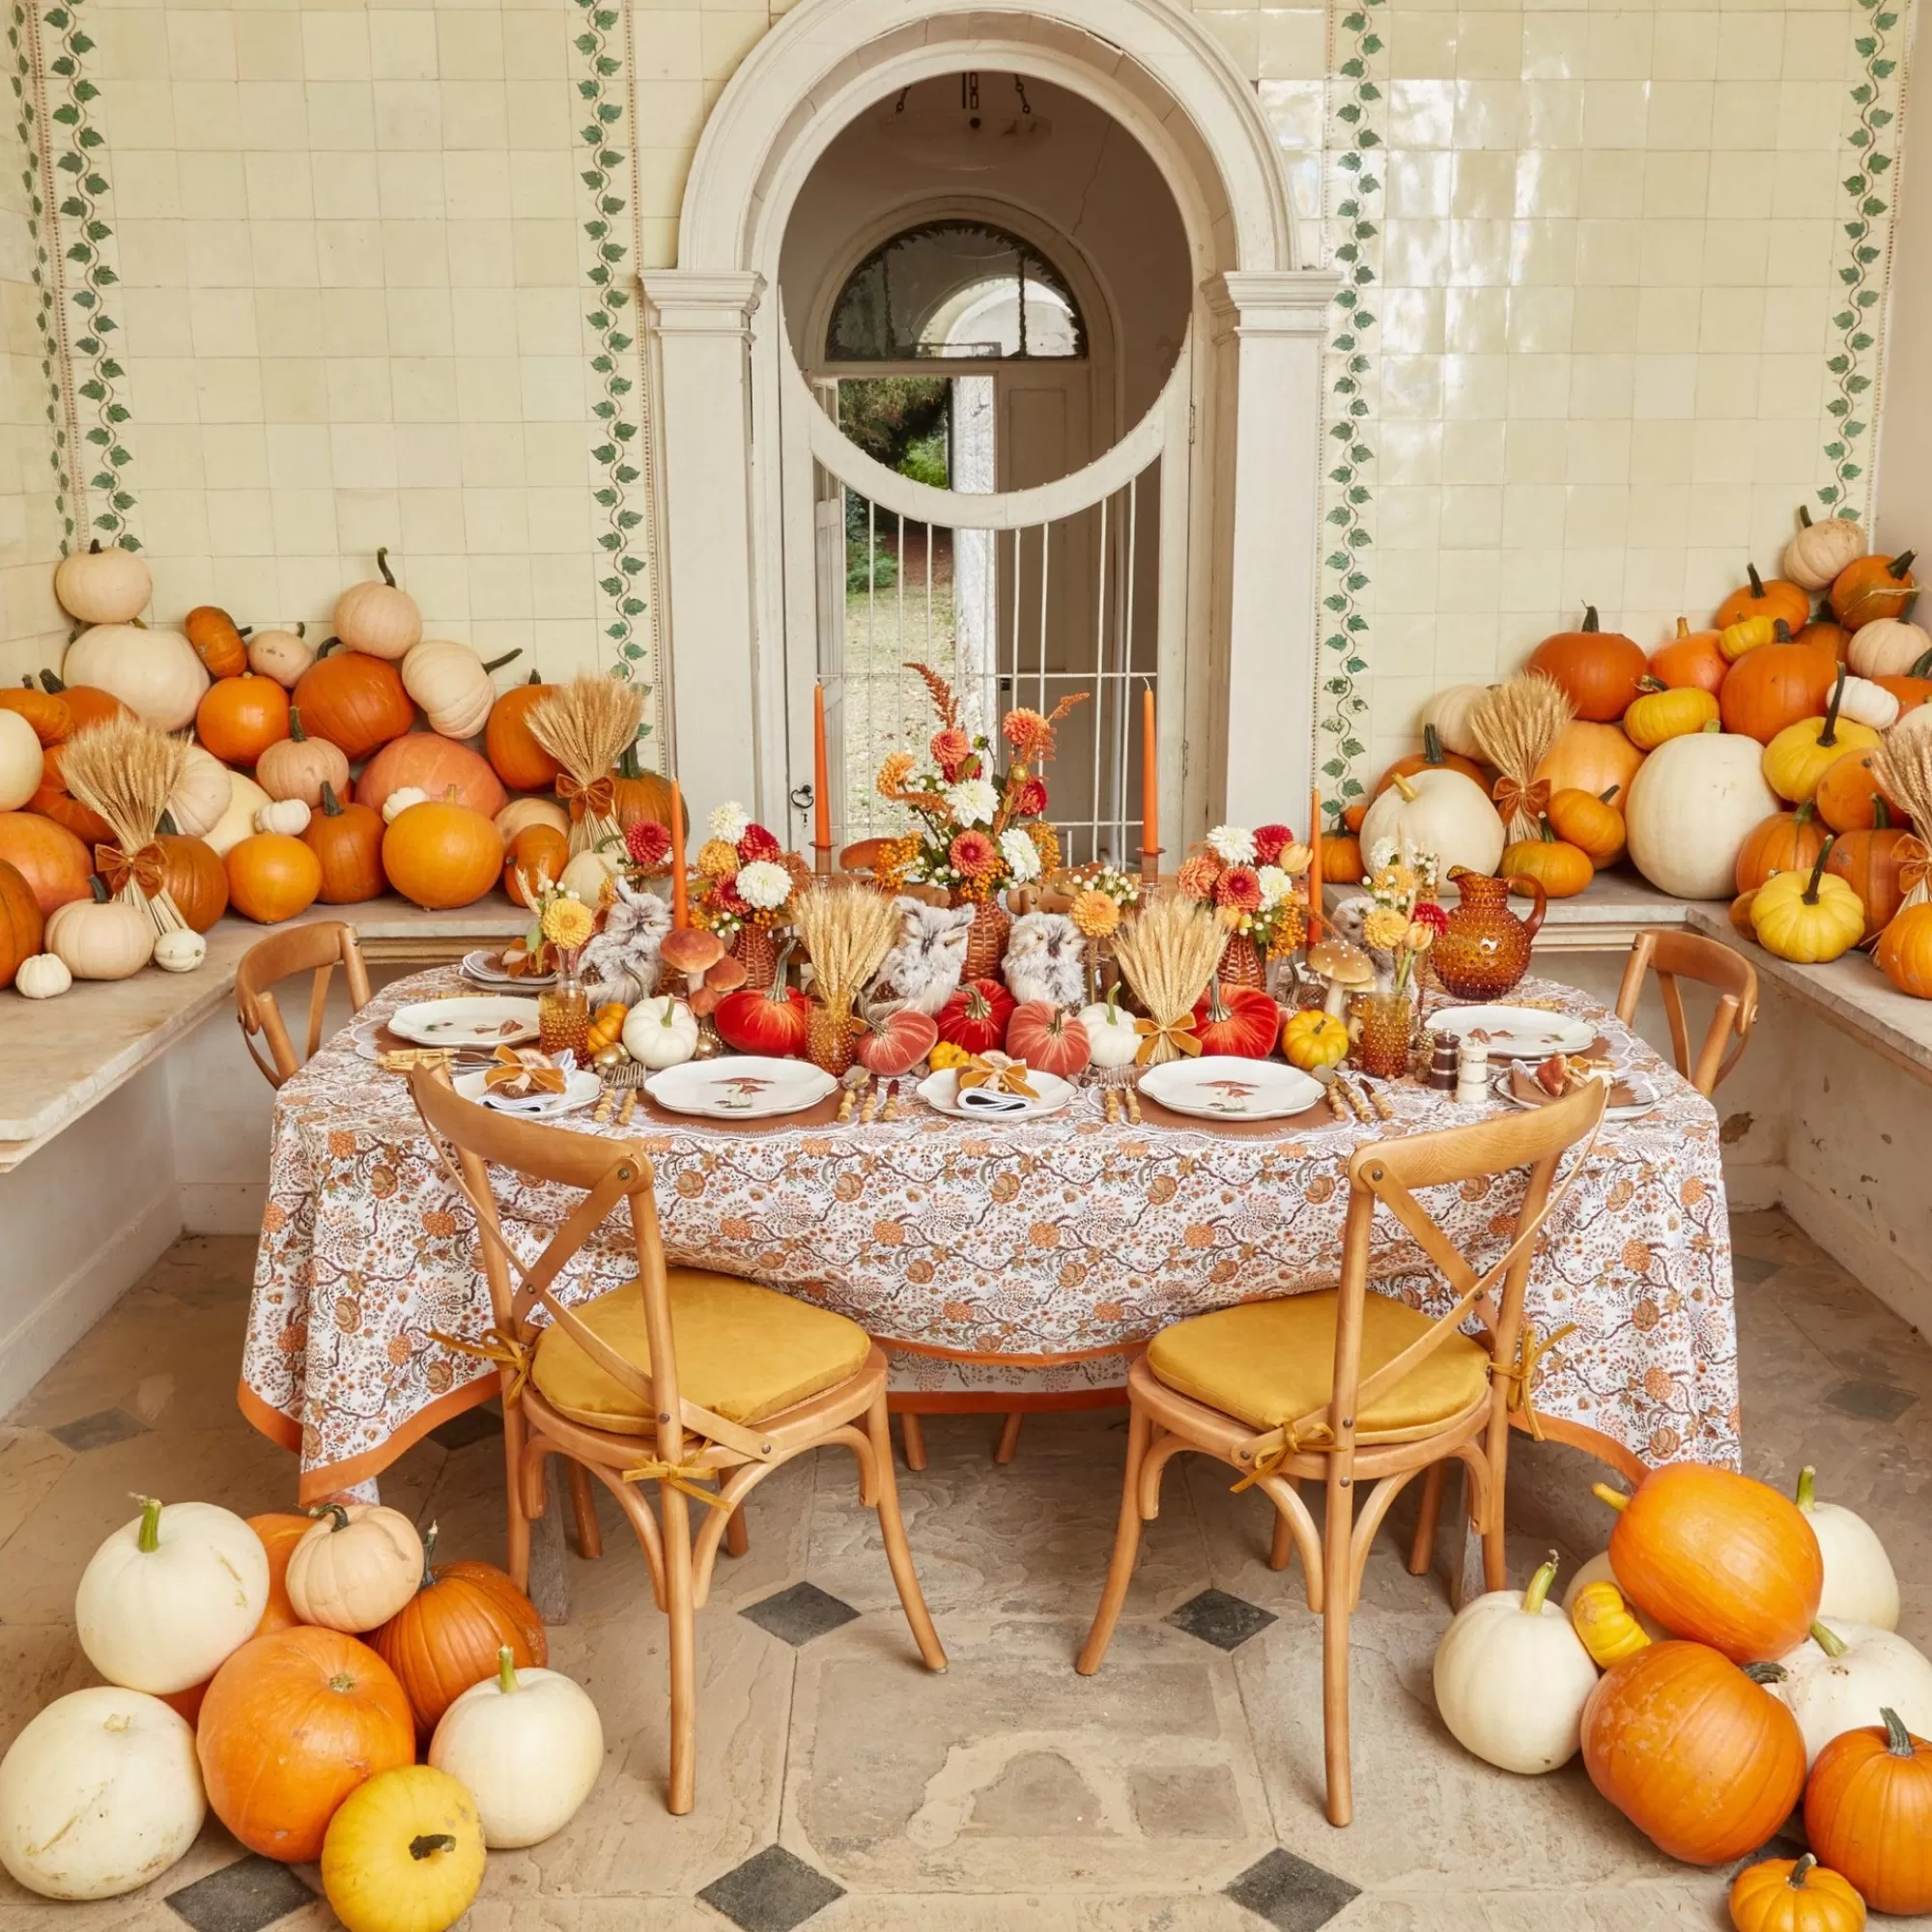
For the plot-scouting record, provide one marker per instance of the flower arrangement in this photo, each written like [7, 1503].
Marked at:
[1103, 897]
[1401, 917]
[975, 831]
[745, 878]
[1255, 882]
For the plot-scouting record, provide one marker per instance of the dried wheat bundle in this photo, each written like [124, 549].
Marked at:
[127, 771]
[1902, 765]
[848, 929]
[1518, 724]
[586, 725]
[1168, 953]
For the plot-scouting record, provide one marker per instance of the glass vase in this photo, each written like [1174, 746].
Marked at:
[1383, 1030]
[563, 1015]
[828, 1038]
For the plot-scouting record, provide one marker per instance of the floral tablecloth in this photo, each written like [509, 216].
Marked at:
[997, 1260]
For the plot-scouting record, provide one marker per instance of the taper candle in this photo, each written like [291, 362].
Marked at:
[1150, 780]
[1314, 863]
[821, 788]
[680, 900]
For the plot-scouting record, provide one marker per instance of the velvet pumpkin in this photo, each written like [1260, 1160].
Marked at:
[1868, 1814]
[975, 1016]
[1904, 951]
[1689, 662]
[771, 1020]
[1778, 685]
[1050, 1040]
[1598, 670]
[1787, 842]
[1871, 588]
[353, 700]
[22, 924]
[1238, 1020]
[441, 854]
[895, 1043]
[52, 861]
[216, 642]
[49, 714]
[434, 766]
[1870, 861]
[1562, 869]
[346, 841]
[538, 852]
[1594, 824]
[1703, 1761]
[292, 1722]
[1430, 758]
[238, 717]
[1848, 796]
[512, 748]
[271, 877]
[1591, 757]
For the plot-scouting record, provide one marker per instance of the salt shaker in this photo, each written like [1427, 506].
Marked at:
[1442, 1063]
[1472, 1072]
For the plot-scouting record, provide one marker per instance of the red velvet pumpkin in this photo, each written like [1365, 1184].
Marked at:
[1049, 1038]
[433, 766]
[895, 1043]
[975, 1016]
[1238, 1020]
[771, 1020]
[356, 701]
[1598, 670]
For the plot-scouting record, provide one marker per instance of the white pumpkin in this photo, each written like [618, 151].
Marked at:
[521, 813]
[21, 760]
[1692, 806]
[528, 1745]
[1843, 1674]
[100, 1793]
[1512, 1678]
[288, 815]
[1597, 1570]
[452, 685]
[282, 655]
[357, 1567]
[400, 800]
[103, 587]
[180, 951]
[1887, 648]
[1440, 812]
[1864, 702]
[43, 977]
[237, 822]
[1817, 553]
[1859, 1583]
[586, 874]
[1450, 711]
[100, 939]
[661, 1032]
[167, 1597]
[1111, 1033]
[201, 794]
[155, 673]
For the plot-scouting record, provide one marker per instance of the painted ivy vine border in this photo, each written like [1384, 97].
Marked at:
[618, 449]
[1341, 704]
[1867, 230]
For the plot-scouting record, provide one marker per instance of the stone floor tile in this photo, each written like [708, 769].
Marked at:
[1290, 1894]
[1696, 1906]
[31, 1462]
[798, 1615]
[772, 1892]
[251, 1893]
[1445, 1908]
[1865, 1400]
[503, 1909]
[101, 1430]
[1036, 1911]
[37, 1663]
[468, 1426]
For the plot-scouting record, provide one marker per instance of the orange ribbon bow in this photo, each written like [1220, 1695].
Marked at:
[1531, 800]
[995, 1071]
[1179, 1033]
[1914, 863]
[147, 869]
[597, 798]
[519, 1074]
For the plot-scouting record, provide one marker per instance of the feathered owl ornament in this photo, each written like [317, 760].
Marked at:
[622, 962]
[1046, 959]
[923, 968]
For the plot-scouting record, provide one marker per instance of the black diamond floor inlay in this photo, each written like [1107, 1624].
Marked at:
[1217, 1618]
[241, 1897]
[800, 1613]
[469, 1425]
[101, 1430]
[1866, 1400]
[771, 1892]
[1750, 1269]
[1290, 1894]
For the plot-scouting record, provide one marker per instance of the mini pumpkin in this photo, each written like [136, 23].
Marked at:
[1816, 554]
[271, 876]
[1112, 1037]
[1868, 1814]
[357, 1567]
[298, 766]
[1560, 869]
[1787, 842]
[1904, 951]
[99, 585]
[216, 642]
[404, 1852]
[288, 816]
[893, 1042]
[1798, 758]
[1598, 670]
[1052, 1039]
[1755, 598]
[101, 938]
[43, 976]
[663, 1031]
[1310, 1038]
[1662, 712]
[1692, 660]
[282, 655]
[1794, 1895]
[1872, 862]
[1887, 648]
[1591, 821]
[452, 685]
[607, 1026]
[975, 1016]
[1866, 703]
[376, 619]
[1238, 1020]
[1607, 1625]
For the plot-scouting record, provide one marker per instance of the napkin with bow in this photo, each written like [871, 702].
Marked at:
[522, 1073]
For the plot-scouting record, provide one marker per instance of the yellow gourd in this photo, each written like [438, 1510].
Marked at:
[404, 1853]
[1313, 1038]
[945, 1055]
[607, 1026]
[1801, 753]
[1605, 1625]
[1807, 919]
[1748, 634]
[1661, 714]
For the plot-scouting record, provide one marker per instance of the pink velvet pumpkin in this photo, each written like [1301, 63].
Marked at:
[895, 1043]
[1048, 1039]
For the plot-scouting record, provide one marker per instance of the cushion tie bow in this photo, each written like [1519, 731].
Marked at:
[997, 1072]
[685, 1477]
[1522, 1378]
[505, 1350]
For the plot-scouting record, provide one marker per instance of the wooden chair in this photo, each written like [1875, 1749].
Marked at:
[295, 950]
[1687, 955]
[679, 1378]
[1349, 1387]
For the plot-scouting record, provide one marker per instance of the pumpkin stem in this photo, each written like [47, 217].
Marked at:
[1683, 629]
[150, 1538]
[535, 677]
[1432, 746]
[1780, 631]
[429, 1551]
[1807, 812]
[1880, 813]
[1765, 1674]
[1828, 1639]
[1616, 1498]
[98, 886]
[1534, 1598]
[506, 1669]
[432, 1842]
[1802, 1869]
[296, 731]
[165, 823]
[339, 1517]
[1830, 734]
[1818, 872]
[777, 992]
[1716, 726]
[1900, 565]
[51, 684]
[332, 806]
[301, 629]
[1403, 786]
[1803, 517]
[498, 664]
[1611, 793]
[1757, 581]
[1808, 1486]
[1590, 621]
[1548, 836]
[383, 564]
[93, 549]
[1216, 1011]
[1898, 1739]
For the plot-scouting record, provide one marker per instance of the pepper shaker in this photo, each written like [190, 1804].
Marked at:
[1473, 1074]
[1442, 1063]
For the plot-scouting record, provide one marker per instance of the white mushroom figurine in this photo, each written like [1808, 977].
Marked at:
[1345, 967]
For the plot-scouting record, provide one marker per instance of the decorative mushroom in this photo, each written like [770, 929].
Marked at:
[692, 951]
[1345, 967]
[726, 975]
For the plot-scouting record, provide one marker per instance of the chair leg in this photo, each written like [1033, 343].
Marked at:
[1337, 1592]
[583, 1508]
[1422, 1551]
[518, 1534]
[914, 1440]
[676, 1514]
[1281, 1544]
[737, 1536]
[1126, 1546]
[1495, 1552]
[892, 1530]
[1009, 1437]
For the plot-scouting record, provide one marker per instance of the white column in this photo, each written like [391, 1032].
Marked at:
[1269, 533]
[699, 329]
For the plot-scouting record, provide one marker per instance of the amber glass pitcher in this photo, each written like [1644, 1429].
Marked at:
[1486, 950]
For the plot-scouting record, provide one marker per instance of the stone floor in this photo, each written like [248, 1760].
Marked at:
[843, 1787]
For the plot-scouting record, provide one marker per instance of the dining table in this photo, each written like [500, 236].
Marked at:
[1005, 1264]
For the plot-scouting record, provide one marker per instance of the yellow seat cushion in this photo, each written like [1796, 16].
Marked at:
[743, 1351]
[1270, 1362]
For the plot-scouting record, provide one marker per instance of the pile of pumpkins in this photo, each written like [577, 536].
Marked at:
[331, 772]
[1732, 1657]
[284, 1671]
[1721, 760]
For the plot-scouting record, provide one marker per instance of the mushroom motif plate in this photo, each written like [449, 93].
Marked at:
[740, 1087]
[485, 968]
[1515, 1032]
[486, 1020]
[1221, 1087]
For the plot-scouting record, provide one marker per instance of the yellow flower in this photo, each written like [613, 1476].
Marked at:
[1421, 937]
[716, 859]
[568, 922]
[1290, 928]
[894, 773]
[1385, 928]
[1095, 914]
[1387, 882]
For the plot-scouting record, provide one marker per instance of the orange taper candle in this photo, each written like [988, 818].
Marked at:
[821, 788]
[680, 901]
[1314, 863]
[1150, 782]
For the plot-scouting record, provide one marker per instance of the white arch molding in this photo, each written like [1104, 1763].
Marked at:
[733, 439]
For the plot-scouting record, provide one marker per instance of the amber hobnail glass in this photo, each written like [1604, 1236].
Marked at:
[1384, 1027]
[563, 1017]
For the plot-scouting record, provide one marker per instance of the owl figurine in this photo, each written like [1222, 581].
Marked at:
[1046, 959]
[922, 970]
[622, 963]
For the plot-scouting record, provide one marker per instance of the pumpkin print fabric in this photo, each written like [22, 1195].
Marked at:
[989, 1258]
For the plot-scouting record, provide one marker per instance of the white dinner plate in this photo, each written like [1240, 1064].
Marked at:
[740, 1087]
[484, 968]
[580, 1090]
[1515, 1032]
[941, 1091]
[1223, 1087]
[488, 1019]
[1635, 1111]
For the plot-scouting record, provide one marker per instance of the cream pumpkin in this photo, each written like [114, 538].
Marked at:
[1816, 554]
[1450, 712]
[201, 794]
[182, 950]
[357, 1567]
[101, 938]
[1441, 813]
[661, 1032]
[43, 976]
[452, 685]
[99, 585]
[1113, 1037]
[1887, 648]
[1692, 806]
[155, 673]
[1860, 1581]
[21, 760]
[282, 655]
[287, 816]
[237, 822]
[378, 618]
[585, 875]
[1843, 1673]
[521, 813]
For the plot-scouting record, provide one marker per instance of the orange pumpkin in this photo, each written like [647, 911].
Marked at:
[1047, 1037]
[1787, 841]
[1592, 823]
[512, 748]
[52, 861]
[1238, 1020]
[1912, 687]
[1780, 597]
[1703, 1761]
[1740, 916]
[540, 851]
[1689, 660]
[1341, 859]
[446, 1637]
[22, 924]
[54, 801]
[271, 877]
[1353, 814]
[353, 700]
[346, 840]
[1904, 952]
[194, 878]
[1868, 1814]
[1794, 1895]
[643, 797]
[1719, 1558]
[279, 1531]
[1591, 757]
[1871, 588]
[1431, 758]
[51, 715]
[1870, 861]
[1778, 684]
[292, 1722]
[1825, 629]
[88, 702]
[1848, 796]
[1562, 869]
[436, 766]
[1598, 670]
[216, 642]
[238, 717]
[441, 854]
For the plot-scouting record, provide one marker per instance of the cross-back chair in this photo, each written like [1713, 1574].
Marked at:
[682, 1378]
[1689, 956]
[1349, 1386]
[296, 949]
